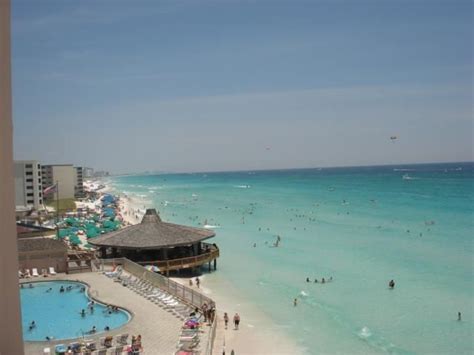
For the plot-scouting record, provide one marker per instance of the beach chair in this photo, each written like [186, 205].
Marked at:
[47, 351]
[52, 271]
[121, 339]
[118, 350]
[91, 345]
[27, 273]
[60, 349]
[34, 272]
[102, 342]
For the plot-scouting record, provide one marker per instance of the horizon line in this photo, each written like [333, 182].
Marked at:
[286, 169]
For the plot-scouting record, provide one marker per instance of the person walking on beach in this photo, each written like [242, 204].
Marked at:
[226, 319]
[198, 282]
[295, 302]
[459, 316]
[236, 321]
[204, 311]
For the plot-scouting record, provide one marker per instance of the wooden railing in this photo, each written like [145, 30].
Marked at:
[184, 263]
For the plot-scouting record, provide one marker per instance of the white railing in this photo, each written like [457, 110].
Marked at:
[184, 293]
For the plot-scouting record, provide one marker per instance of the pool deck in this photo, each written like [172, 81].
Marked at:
[159, 329]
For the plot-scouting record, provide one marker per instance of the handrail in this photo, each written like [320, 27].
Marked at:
[211, 338]
[184, 293]
[184, 262]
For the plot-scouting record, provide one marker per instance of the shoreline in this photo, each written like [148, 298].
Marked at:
[257, 333]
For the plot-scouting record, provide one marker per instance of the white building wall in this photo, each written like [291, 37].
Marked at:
[65, 176]
[28, 184]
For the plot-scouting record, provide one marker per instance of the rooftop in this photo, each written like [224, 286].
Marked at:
[40, 244]
[152, 233]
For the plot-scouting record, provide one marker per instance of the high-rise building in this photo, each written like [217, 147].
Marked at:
[62, 174]
[78, 182]
[28, 184]
[88, 172]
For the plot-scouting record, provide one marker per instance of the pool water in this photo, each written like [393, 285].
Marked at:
[58, 315]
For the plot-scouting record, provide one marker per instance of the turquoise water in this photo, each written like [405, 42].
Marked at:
[363, 227]
[58, 315]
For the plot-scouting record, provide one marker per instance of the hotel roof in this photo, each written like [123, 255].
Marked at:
[152, 233]
[40, 244]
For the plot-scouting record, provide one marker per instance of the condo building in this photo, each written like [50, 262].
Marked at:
[28, 184]
[78, 182]
[64, 175]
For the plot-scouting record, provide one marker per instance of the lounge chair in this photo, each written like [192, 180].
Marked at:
[118, 350]
[27, 273]
[35, 272]
[91, 345]
[47, 351]
[121, 339]
[102, 342]
[52, 271]
[60, 349]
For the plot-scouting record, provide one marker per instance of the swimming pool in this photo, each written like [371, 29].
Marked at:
[58, 314]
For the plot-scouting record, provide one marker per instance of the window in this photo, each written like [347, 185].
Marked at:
[28, 166]
[39, 166]
[30, 194]
[29, 173]
[29, 187]
[30, 201]
[29, 180]
[41, 202]
[40, 194]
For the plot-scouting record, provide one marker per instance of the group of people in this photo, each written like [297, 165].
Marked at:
[236, 320]
[209, 312]
[111, 309]
[198, 282]
[323, 280]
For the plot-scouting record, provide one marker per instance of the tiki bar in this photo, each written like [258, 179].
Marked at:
[168, 246]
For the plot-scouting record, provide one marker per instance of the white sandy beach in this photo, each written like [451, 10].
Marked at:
[256, 335]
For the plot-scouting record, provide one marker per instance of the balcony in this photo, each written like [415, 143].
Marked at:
[211, 254]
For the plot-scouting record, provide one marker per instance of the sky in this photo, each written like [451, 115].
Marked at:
[215, 85]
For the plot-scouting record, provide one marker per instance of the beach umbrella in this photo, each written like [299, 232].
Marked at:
[152, 268]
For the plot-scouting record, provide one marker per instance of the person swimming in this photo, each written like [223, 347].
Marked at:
[32, 325]
[307, 279]
[83, 313]
[391, 284]
[61, 289]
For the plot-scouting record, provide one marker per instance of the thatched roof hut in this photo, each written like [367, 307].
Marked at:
[152, 233]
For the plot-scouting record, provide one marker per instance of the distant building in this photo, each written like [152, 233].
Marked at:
[65, 175]
[28, 185]
[98, 174]
[78, 182]
[87, 172]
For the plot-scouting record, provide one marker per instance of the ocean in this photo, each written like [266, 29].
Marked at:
[362, 226]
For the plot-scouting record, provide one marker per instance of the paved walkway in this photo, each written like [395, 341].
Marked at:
[159, 329]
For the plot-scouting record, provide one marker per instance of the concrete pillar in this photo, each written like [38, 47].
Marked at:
[11, 339]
